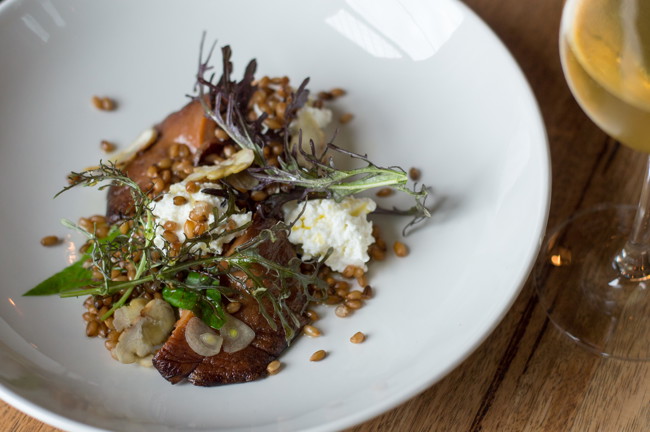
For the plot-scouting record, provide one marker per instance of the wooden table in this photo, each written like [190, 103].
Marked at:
[527, 376]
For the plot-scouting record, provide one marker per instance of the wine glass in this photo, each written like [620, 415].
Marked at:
[593, 273]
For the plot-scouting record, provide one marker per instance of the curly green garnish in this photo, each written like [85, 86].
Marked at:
[181, 284]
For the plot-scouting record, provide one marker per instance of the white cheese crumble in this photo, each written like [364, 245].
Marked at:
[166, 211]
[327, 224]
[311, 121]
[321, 116]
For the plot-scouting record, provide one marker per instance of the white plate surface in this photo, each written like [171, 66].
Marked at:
[430, 86]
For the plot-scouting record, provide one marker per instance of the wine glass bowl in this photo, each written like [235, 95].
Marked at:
[593, 273]
[605, 52]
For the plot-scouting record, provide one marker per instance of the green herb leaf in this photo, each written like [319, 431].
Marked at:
[195, 279]
[212, 313]
[214, 295]
[72, 277]
[206, 303]
[181, 298]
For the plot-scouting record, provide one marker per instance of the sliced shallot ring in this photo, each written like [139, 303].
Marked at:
[236, 334]
[201, 338]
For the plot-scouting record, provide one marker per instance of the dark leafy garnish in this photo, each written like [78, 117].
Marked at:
[236, 95]
[225, 102]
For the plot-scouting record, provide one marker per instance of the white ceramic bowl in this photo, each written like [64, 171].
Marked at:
[430, 86]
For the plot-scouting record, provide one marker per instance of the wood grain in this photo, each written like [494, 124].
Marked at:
[527, 376]
[15, 421]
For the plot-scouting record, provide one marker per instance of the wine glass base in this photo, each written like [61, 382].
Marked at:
[582, 291]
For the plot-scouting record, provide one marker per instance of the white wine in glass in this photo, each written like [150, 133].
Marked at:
[605, 48]
[593, 275]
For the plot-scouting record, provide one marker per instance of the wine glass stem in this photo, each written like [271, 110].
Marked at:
[633, 261]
